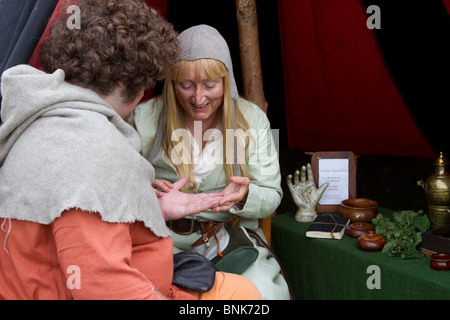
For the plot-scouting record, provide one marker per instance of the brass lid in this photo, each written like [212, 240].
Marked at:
[441, 165]
[441, 161]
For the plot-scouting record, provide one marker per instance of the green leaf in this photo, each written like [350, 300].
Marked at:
[398, 218]
[422, 223]
[411, 252]
[403, 234]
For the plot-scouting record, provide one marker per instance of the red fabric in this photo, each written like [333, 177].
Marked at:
[160, 5]
[339, 94]
[447, 5]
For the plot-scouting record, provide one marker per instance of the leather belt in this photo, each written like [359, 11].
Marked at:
[212, 228]
[185, 226]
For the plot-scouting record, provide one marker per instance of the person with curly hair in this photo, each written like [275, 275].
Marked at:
[79, 217]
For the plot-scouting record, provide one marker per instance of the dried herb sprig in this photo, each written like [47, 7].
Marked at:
[403, 234]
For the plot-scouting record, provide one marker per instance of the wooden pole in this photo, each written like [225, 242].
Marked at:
[247, 21]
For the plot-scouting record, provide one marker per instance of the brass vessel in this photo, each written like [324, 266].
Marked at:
[437, 190]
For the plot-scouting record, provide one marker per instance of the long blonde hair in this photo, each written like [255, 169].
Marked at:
[174, 119]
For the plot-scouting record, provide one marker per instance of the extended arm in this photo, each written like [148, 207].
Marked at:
[176, 204]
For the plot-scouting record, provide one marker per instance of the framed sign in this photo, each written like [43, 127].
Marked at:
[338, 168]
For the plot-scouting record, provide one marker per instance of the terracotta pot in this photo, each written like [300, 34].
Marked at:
[357, 229]
[371, 242]
[359, 209]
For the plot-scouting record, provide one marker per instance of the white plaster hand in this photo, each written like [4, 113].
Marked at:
[305, 194]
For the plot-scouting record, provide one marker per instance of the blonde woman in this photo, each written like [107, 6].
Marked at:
[200, 128]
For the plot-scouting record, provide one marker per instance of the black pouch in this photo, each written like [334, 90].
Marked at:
[193, 271]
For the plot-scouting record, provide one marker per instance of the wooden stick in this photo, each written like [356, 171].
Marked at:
[247, 20]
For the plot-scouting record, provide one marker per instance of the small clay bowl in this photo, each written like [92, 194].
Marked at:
[440, 261]
[371, 242]
[357, 229]
[359, 209]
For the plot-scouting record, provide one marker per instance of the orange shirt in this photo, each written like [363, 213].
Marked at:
[79, 256]
[96, 259]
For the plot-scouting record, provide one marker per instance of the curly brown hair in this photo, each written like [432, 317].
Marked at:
[119, 40]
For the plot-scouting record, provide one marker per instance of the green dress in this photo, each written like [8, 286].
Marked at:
[264, 195]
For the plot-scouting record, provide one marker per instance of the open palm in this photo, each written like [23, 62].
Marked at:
[304, 193]
[176, 204]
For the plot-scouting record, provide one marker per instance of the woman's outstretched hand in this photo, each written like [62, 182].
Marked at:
[235, 192]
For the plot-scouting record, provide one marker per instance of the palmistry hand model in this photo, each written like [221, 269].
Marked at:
[305, 194]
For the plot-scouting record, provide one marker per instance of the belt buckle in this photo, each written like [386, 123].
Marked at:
[191, 229]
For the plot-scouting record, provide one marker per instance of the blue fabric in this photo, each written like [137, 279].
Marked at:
[22, 24]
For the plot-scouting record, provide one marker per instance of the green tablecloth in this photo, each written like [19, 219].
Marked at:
[337, 269]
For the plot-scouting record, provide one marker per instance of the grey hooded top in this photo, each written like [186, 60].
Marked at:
[63, 147]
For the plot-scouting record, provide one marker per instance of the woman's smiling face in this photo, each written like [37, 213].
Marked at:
[198, 95]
